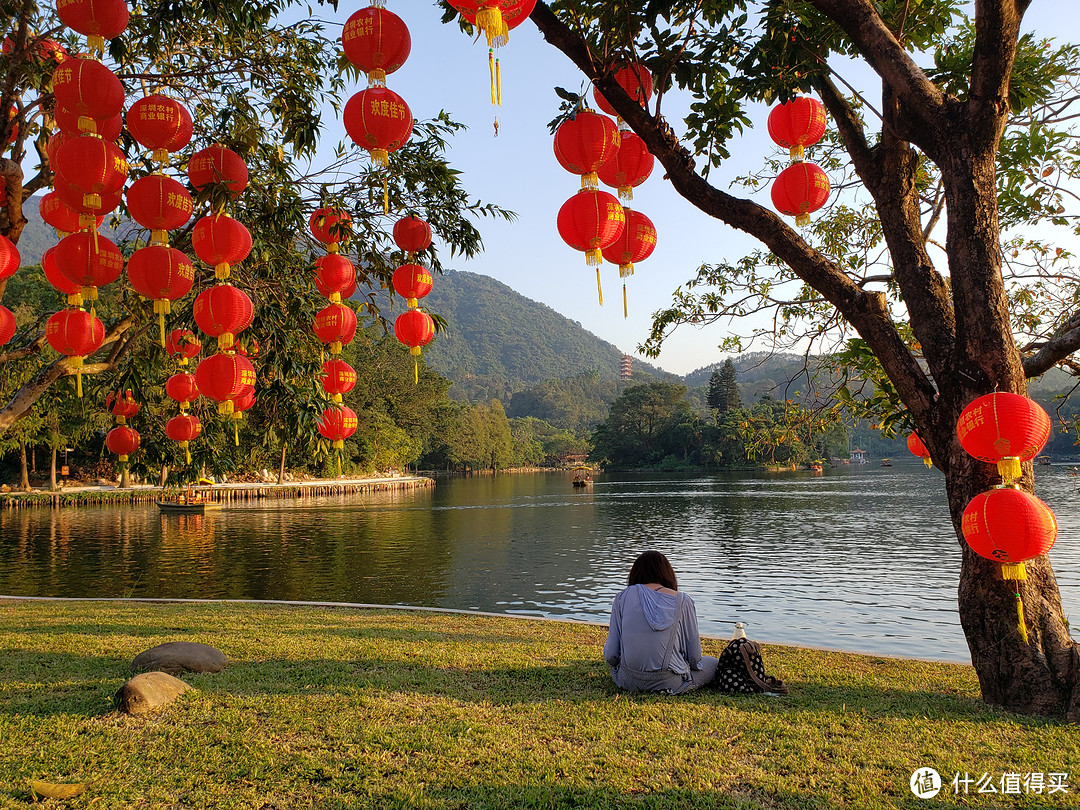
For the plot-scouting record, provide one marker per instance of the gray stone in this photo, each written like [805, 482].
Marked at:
[175, 657]
[148, 692]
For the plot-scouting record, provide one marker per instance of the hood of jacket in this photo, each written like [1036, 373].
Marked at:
[658, 608]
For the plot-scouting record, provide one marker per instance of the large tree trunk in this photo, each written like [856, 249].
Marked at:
[24, 473]
[281, 467]
[52, 470]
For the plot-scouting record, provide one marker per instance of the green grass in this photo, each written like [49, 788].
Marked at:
[340, 708]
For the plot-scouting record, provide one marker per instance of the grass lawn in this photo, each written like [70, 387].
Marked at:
[341, 708]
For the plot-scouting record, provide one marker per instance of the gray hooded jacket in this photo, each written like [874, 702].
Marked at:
[640, 629]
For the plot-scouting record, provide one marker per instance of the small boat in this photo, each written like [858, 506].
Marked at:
[187, 504]
[1043, 461]
[816, 466]
[579, 483]
[886, 462]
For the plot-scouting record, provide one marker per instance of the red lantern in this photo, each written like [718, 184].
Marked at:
[162, 274]
[91, 208]
[378, 120]
[92, 166]
[917, 448]
[58, 214]
[338, 378]
[87, 87]
[159, 203]
[635, 244]
[376, 41]
[334, 276]
[414, 328]
[223, 312]
[636, 80]
[7, 325]
[89, 259]
[221, 241]
[337, 424]
[75, 333]
[798, 123]
[496, 18]
[122, 441]
[412, 234]
[223, 377]
[184, 429]
[412, 282]
[160, 123]
[182, 388]
[1003, 428]
[218, 164]
[631, 166]
[58, 280]
[800, 190]
[1008, 525]
[331, 226]
[335, 325]
[74, 125]
[97, 20]
[183, 344]
[10, 260]
[586, 142]
[590, 221]
[122, 405]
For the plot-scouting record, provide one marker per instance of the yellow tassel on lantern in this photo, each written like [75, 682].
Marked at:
[1014, 571]
[236, 431]
[1009, 468]
[802, 220]
[1022, 625]
[797, 152]
[594, 258]
[376, 78]
[928, 462]
[599, 288]
[1017, 573]
[162, 307]
[386, 191]
[95, 43]
[380, 156]
[77, 362]
[222, 271]
[490, 20]
[159, 237]
[498, 83]
[491, 72]
[626, 193]
[225, 408]
[225, 341]
[625, 313]
[186, 447]
[590, 180]
[161, 155]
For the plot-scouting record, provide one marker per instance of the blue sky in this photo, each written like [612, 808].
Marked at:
[448, 70]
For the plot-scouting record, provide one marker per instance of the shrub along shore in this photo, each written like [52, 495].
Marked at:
[346, 708]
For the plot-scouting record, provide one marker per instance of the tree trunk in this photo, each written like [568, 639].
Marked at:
[164, 476]
[24, 474]
[52, 471]
[281, 467]
[125, 479]
[33, 459]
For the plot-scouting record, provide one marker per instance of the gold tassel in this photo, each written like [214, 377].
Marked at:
[339, 465]
[187, 451]
[625, 314]
[491, 72]
[599, 289]
[1009, 468]
[222, 271]
[78, 377]
[590, 180]
[802, 220]
[416, 372]
[376, 78]
[498, 83]
[236, 433]
[1017, 573]
[381, 157]
[626, 193]
[928, 462]
[490, 21]
[1020, 618]
[161, 155]
[385, 194]
[797, 152]
[96, 43]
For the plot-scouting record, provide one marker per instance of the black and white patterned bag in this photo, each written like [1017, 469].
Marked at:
[741, 670]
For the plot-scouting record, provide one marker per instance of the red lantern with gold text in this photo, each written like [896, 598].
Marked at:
[184, 429]
[89, 259]
[800, 190]
[182, 388]
[159, 203]
[586, 142]
[377, 42]
[218, 165]
[629, 168]
[224, 377]
[7, 325]
[162, 274]
[635, 244]
[335, 276]
[58, 214]
[336, 293]
[378, 120]
[161, 124]
[221, 241]
[412, 282]
[91, 208]
[337, 424]
[635, 79]
[338, 378]
[93, 166]
[590, 221]
[917, 448]
[97, 20]
[335, 325]
[796, 124]
[10, 260]
[1004, 429]
[183, 344]
[415, 328]
[58, 280]
[331, 226]
[75, 333]
[87, 87]
[412, 234]
[122, 441]
[223, 312]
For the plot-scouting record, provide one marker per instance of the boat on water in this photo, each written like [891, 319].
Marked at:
[582, 476]
[1043, 461]
[816, 466]
[886, 462]
[196, 508]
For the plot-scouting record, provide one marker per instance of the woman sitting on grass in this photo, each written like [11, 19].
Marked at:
[653, 643]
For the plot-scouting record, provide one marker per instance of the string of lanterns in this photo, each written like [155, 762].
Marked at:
[803, 187]
[413, 327]
[183, 345]
[10, 261]
[122, 440]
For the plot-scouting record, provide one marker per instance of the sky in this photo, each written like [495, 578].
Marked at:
[518, 170]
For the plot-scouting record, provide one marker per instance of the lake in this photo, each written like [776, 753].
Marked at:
[860, 558]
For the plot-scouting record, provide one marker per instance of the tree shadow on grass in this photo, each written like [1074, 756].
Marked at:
[38, 683]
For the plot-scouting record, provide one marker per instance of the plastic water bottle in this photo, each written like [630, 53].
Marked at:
[739, 631]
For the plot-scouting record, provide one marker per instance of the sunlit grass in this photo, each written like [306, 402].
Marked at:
[340, 708]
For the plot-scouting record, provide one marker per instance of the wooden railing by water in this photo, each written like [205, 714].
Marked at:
[222, 493]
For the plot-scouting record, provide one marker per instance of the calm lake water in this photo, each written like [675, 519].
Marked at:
[862, 558]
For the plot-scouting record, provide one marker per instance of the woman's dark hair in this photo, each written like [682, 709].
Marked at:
[652, 566]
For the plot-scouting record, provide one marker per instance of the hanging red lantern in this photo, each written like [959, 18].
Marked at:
[183, 344]
[378, 120]
[377, 42]
[160, 123]
[162, 274]
[412, 282]
[159, 203]
[221, 241]
[586, 142]
[331, 226]
[184, 429]
[590, 221]
[86, 87]
[917, 448]
[217, 164]
[335, 325]
[631, 166]
[635, 244]
[122, 441]
[75, 333]
[338, 378]
[58, 214]
[800, 190]
[496, 18]
[223, 377]
[337, 424]
[58, 280]
[1008, 525]
[122, 405]
[91, 208]
[335, 276]
[1004, 429]
[92, 166]
[415, 329]
[635, 79]
[245, 400]
[97, 20]
[10, 260]
[412, 234]
[182, 388]
[89, 259]
[74, 125]
[7, 325]
[796, 124]
[223, 312]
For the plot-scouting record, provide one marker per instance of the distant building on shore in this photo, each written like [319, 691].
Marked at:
[625, 372]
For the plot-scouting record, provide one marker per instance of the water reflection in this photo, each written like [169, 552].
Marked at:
[858, 559]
